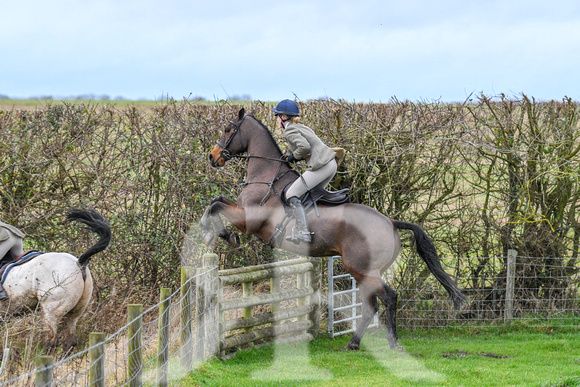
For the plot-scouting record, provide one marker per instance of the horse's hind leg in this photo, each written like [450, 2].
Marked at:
[370, 308]
[389, 299]
[69, 332]
[53, 322]
[70, 320]
[371, 288]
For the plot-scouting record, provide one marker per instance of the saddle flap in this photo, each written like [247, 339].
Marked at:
[320, 195]
[330, 198]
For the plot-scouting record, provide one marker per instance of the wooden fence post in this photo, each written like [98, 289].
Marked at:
[199, 317]
[330, 296]
[186, 349]
[43, 371]
[247, 292]
[163, 345]
[510, 286]
[206, 314]
[315, 283]
[97, 359]
[301, 281]
[275, 288]
[135, 345]
[212, 292]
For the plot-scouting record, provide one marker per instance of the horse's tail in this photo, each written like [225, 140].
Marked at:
[95, 223]
[428, 253]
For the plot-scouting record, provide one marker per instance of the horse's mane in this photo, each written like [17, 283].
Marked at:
[267, 131]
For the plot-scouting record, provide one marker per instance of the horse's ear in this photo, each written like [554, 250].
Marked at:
[242, 113]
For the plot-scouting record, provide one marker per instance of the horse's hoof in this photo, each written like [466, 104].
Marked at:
[68, 346]
[234, 240]
[208, 237]
[397, 347]
[351, 347]
[51, 348]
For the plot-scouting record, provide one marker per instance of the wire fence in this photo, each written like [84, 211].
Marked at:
[545, 293]
[116, 357]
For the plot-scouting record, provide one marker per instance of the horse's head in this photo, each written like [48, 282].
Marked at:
[230, 143]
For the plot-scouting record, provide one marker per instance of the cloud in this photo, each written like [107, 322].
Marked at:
[364, 50]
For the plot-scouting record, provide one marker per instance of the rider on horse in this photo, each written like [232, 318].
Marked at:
[305, 145]
[10, 248]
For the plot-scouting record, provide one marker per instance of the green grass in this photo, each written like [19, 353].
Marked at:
[431, 358]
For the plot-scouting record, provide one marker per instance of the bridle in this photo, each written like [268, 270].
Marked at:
[225, 153]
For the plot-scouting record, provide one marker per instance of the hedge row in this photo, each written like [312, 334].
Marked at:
[481, 177]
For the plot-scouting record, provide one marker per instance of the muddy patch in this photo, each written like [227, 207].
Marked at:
[456, 353]
[462, 354]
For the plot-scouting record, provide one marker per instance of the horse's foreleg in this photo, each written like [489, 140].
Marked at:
[212, 224]
[222, 232]
[223, 200]
[206, 226]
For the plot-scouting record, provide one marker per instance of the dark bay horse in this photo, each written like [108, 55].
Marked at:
[367, 241]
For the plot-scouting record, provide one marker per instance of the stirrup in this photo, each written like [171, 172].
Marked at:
[303, 236]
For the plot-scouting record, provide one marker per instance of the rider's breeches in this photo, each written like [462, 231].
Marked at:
[312, 178]
[11, 242]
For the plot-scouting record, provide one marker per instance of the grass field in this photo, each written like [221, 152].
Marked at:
[431, 358]
[33, 104]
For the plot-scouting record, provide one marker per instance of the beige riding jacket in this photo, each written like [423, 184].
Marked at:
[305, 144]
[4, 235]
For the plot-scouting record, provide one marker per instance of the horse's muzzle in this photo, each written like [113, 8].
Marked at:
[212, 161]
[216, 162]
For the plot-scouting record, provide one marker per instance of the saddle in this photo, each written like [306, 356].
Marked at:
[319, 195]
[6, 266]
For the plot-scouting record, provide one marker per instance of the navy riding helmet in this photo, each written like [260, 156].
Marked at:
[288, 107]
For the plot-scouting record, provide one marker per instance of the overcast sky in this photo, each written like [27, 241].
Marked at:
[356, 50]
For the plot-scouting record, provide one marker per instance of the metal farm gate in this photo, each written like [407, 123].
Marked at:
[344, 308]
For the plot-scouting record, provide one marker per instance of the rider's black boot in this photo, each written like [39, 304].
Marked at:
[303, 233]
[3, 294]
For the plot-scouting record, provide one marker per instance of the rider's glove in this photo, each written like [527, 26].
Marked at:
[289, 157]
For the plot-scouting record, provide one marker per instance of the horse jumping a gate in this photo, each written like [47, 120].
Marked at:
[367, 241]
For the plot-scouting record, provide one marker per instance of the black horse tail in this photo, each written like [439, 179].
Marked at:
[95, 223]
[428, 253]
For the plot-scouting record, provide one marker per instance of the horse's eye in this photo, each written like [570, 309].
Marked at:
[228, 129]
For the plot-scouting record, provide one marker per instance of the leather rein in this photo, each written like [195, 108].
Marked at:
[226, 155]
